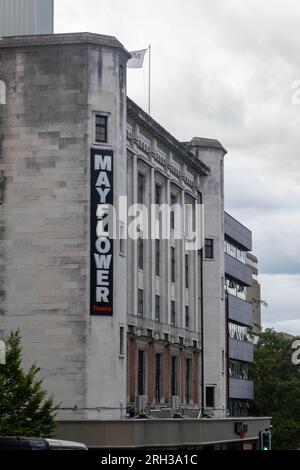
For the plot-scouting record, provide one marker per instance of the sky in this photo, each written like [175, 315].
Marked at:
[225, 69]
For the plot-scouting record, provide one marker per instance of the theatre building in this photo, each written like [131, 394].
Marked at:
[122, 326]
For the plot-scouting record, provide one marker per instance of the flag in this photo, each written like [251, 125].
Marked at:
[137, 59]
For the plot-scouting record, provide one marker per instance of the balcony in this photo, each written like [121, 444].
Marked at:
[237, 270]
[241, 389]
[240, 350]
[239, 310]
[237, 232]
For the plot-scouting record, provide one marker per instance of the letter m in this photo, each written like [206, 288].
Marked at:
[103, 163]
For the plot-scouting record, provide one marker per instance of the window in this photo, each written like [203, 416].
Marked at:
[157, 308]
[101, 128]
[122, 239]
[187, 380]
[2, 92]
[157, 378]
[187, 317]
[173, 375]
[157, 194]
[140, 302]
[173, 202]
[209, 248]
[157, 257]
[141, 373]
[141, 253]
[187, 271]
[210, 397]
[173, 312]
[172, 264]
[121, 340]
[141, 182]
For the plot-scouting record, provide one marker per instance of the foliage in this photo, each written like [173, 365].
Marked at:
[25, 408]
[277, 388]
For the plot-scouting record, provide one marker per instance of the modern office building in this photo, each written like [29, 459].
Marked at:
[253, 293]
[238, 279]
[21, 17]
[121, 326]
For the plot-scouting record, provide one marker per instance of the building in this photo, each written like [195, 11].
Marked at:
[121, 326]
[238, 281]
[21, 17]
[253, 293]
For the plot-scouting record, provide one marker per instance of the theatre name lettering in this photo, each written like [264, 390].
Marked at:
[101, 285]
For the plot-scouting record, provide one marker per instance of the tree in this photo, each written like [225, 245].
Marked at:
[277, 388]
[25, 408]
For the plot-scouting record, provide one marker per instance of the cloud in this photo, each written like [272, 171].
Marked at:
[224, 69]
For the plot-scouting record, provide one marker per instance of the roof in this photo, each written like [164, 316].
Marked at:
[155, 129]
[61, 39]
[205, 143]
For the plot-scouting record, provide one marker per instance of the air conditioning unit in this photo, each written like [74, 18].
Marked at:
[174, 403]
[141, 404]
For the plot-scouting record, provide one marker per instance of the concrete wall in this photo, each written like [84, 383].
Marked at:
[46, 135]
[214, 330]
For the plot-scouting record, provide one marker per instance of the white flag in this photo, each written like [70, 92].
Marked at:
[137, 59]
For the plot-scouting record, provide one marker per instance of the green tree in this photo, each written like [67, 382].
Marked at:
[25, 408]
[277, 388]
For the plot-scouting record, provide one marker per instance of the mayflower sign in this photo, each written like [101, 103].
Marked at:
[101, 284]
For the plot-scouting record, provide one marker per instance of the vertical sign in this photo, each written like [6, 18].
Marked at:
[101, 280]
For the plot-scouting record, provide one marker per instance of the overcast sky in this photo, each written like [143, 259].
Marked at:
[224, 69]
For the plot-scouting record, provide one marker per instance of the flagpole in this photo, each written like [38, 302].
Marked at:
[149, 91]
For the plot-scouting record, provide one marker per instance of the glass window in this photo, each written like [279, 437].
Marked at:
[157, 308]
[141, 183]
[101, 128]
[141, 373]
[187, 317]
[121, 340]
[188, 374]
[158, 378]
[173, 375]
[210, 397]
[173, 202]
[157, 257]
[173, 264]
[157, 194]
[140, 302]
[141, 253]
[173, 312]
[187, 271]
[209, 248]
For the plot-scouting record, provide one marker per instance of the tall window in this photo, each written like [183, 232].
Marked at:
[187, 271]
[173, 202]
[173, 264]
[157, 257]
[157, 378]
[210, 397]
[187, 380]
[157, 308]
[141, 373]
[173, 312]
[121, 340]
[101, 128]
[187, 317]
[141, 183]
[141, 253]
[140, 302]
[209, 248]
[173, 375]
[157, 194]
